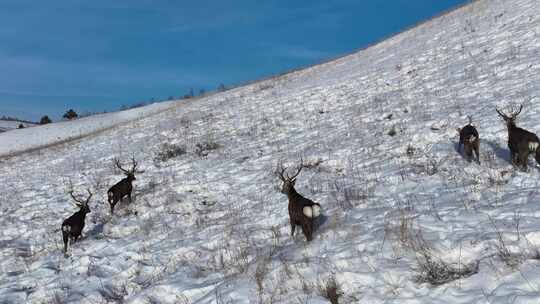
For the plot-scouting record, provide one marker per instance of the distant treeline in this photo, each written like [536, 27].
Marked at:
[72, 114]
[9, 118]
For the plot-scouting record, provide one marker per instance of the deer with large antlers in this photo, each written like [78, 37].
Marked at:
[124, 187]
[520, 141]
[72, 226]
[302, 211]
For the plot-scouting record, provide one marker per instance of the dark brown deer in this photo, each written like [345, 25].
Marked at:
[124, 187]
[520, 141]
[72, 227]
[469, 139]
[302, 211]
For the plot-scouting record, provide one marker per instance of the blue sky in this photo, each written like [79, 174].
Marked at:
[101, 54]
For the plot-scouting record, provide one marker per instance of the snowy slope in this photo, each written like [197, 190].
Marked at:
[212, 227]
[6, 125]
[50, 134]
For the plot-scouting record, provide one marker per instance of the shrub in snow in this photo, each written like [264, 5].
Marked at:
[435, 271]
[392, 131]
[202, 149]
[70, 114]
[168, 151]
[410, 150]
[331, 290]
[432, 269]
[45, 120]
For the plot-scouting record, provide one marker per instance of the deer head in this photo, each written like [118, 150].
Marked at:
[288, 181]
[511, 118]
[81, 203]
[131, 172]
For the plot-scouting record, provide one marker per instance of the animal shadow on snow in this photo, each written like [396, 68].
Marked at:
[500, 152]
[125, 207]
[97, 230]
[320, 221]
[462, 153]
[317, 224]
[504, 154]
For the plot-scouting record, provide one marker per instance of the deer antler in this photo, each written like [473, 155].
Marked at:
[119, 166]
[280, 170]
[133, 169]
[502, 114]
[515, 114]
[298, 169]
[90, 194]
[134, 163]
[79, 202]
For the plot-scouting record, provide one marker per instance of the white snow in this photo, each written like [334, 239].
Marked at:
[7, 125]
[21, 140]
[211, 226]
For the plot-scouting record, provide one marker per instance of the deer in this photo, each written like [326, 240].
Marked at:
[302, 211]
[124, 187]
[73, 226]
[521, 142]
[469, 139]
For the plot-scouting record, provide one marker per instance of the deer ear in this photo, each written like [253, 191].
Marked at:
[293, 181]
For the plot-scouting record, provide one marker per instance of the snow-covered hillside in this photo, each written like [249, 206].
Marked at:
[51, 134]
[377, 131]
[6, 125]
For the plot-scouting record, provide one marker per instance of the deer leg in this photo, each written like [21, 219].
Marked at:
[467, 148]
[66, 240]
[129, 197]
[307, 229]
[523, 159]
[537, 156]
[518, 160]
[477, 152]
[513, 158]
[293, 227]
[113, 203]
[110, 199]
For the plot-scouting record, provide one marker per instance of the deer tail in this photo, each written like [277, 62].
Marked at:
[316, 210]
[308, 211]
[312, 211]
